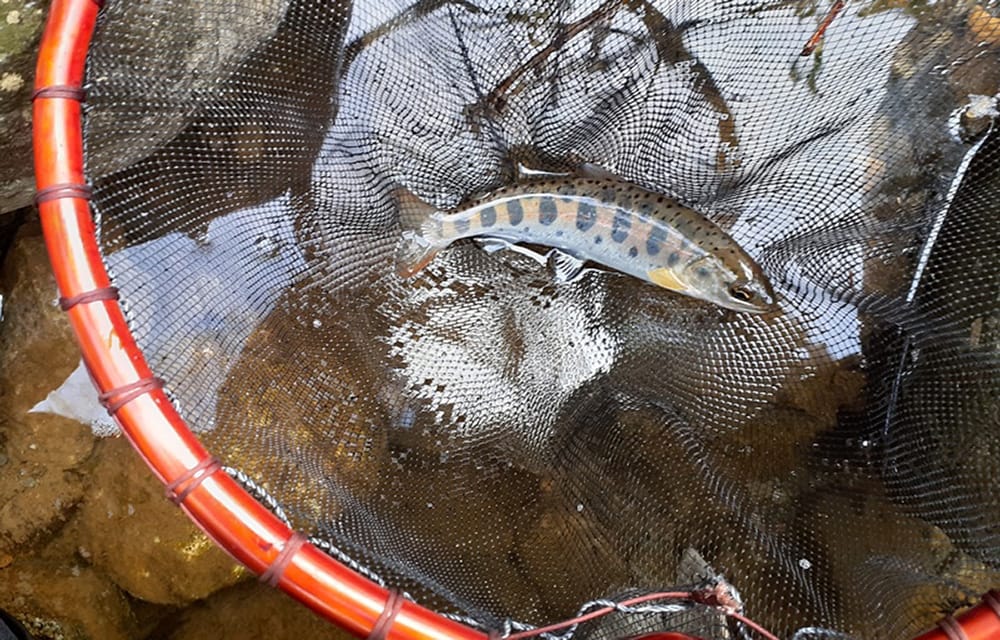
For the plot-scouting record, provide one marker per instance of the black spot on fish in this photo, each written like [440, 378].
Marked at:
[461, 225]
[488, 216]
[633, 252]
[646, 208]
[515, 212]
[621, 225]
[673, 258]
[567, 190]
[547, 211]
[657, 236]
[586, 216]
[598, 240]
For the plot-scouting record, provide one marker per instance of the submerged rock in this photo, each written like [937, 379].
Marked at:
[42, 454]
[53, 599]
[22, 22]
[130, 531]
[251, 610]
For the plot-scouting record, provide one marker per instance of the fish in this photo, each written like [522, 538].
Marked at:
[613, 223]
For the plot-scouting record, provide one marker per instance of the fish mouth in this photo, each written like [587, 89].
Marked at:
[667, 279]
[747, 307]
[750, 294]
[761, 300]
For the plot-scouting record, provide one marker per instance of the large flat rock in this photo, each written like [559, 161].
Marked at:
[21, 24]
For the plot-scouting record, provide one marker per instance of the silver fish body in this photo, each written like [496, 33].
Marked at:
[616, 224]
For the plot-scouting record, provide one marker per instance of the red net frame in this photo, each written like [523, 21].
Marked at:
[219, 505]
[216, 503]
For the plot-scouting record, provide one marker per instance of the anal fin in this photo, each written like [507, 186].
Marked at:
[563, 266]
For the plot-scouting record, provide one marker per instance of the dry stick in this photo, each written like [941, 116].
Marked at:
[813, 42]
[568, 32]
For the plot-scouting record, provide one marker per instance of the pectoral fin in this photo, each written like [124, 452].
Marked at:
[492, 245]
[495, 244]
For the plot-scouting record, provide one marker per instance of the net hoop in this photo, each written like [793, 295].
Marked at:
[216, 503]
[981, 622]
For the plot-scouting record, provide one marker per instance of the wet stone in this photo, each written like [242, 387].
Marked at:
[229, 615]
[36, 508]
[206, 47]
[54, 598]
[20, 28]
[42, 454]
[141, 540]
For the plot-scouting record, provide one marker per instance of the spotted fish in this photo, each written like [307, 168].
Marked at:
[610, 222]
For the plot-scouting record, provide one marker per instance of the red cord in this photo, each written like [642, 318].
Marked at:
[708, 597]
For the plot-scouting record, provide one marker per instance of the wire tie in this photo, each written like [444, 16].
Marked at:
[116, 398]
[992, 600]
[94, 295]
[388, 616]
[272, 575]
[64, 190]
[61, 91]
[952, 628]
[191, 479]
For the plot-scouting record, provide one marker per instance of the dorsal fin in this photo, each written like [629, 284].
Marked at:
[594, 172]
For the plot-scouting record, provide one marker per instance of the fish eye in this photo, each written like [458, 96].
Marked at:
[741, 292]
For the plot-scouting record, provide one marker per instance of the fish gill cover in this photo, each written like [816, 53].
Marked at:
[505, 447]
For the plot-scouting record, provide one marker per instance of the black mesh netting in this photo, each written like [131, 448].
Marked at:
[504, 446]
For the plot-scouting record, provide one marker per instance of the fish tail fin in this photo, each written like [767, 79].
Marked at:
[421, 235]
[414, 254]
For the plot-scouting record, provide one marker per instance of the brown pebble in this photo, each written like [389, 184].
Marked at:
[985, 27]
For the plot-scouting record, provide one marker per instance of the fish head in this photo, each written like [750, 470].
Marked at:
[740, 287]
